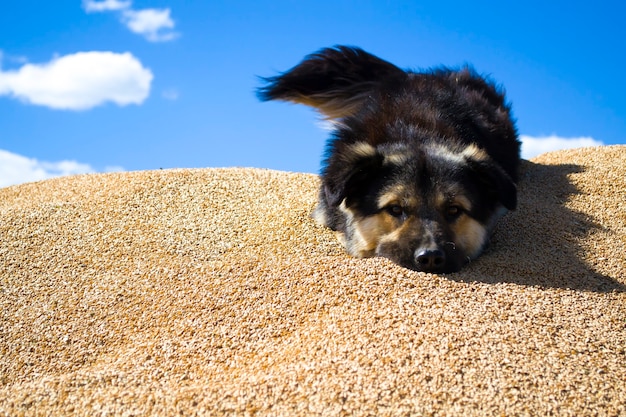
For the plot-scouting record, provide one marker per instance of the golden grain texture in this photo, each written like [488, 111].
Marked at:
[212, 292]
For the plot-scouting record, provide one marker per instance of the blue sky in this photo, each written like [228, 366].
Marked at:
[95, 85]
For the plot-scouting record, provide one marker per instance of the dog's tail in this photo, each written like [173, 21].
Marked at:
[336, 80]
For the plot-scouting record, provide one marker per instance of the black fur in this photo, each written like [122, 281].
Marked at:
[342, 75]
[430, 121]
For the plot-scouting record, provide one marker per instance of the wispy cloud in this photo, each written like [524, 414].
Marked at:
[105, 6]
[12, 59]
[17, 169]
[156, 25]
[171, 94]
[533, 146]
[80, 81]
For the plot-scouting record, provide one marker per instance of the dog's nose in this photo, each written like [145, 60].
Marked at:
[429, 259]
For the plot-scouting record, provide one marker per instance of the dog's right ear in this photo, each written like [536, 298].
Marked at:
[349, 172]
[336, 81]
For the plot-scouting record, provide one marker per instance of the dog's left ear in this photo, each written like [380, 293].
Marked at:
[495, 180]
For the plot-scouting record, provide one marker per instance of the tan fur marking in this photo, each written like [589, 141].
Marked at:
[331, 107]
[396, 194]
[365, 232]
[397, 234]
[341, 238]
[370, 230]
[457, 199]
[470, 235]
[396, 158]
[475, 153]
[361, 149]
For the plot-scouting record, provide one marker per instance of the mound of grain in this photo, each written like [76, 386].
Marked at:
[212, 292]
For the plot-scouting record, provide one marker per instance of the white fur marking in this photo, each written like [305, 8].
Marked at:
[469, 152]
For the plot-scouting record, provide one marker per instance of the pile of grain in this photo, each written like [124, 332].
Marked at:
[212, 292]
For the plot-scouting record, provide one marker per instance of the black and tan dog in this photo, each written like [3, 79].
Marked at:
[420, 165]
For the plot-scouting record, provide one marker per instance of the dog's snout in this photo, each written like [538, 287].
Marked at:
[428, 260]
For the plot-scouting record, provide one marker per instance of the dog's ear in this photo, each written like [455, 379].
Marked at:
[336, 81]
[350, 172]
[495, 180]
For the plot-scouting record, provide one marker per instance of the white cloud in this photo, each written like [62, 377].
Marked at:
[154, 24]
[533, 146]
[80, 81]
[17, 169]
[105, 6]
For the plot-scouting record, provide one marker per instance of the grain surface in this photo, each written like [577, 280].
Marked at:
[212, 292]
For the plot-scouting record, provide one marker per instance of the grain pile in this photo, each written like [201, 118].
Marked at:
[209, 292]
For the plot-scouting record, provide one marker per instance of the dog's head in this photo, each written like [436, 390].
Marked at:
[429, 208]
[405, 177]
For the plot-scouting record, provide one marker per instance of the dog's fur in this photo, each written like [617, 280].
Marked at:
[420, 165]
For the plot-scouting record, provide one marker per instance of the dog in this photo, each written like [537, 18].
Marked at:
[420, 165]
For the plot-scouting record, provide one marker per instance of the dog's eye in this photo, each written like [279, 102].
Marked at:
[395, 210]
[453, 211]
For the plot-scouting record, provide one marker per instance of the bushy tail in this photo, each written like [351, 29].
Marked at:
[333, 80]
